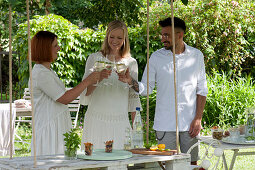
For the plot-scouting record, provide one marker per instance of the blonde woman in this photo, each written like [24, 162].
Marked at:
[111, 100]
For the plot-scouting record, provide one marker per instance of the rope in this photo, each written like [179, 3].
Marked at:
[31, 85]
[148, 38]
[175, 89]
[10, 77]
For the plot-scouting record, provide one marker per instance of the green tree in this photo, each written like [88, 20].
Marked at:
[223, 30]
[76, 45]
[19, 15]
[93, 12]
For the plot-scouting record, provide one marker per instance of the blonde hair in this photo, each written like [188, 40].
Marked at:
[125, 49]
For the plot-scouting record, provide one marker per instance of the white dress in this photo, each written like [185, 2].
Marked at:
[52, 119]
[108, 107]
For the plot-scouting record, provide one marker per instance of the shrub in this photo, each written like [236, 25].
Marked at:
[222, 29]
[227, 99]
[75, 46]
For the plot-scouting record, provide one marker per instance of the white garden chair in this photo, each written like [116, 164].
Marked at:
[73, 106]
[205, 159]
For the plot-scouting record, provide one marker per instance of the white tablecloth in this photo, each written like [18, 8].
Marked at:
[5, 128]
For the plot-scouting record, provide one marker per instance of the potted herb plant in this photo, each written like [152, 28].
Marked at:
[72, 142]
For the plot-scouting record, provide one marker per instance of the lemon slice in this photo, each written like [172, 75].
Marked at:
[153, 148]
[161, 146]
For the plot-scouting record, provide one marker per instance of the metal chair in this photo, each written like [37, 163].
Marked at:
[74, 108]
[205, 160]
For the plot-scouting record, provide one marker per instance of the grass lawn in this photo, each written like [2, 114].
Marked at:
[246, 162]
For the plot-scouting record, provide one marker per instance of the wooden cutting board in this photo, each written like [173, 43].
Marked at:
[149, 152]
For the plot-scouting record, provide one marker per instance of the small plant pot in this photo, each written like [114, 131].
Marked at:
[70, 154]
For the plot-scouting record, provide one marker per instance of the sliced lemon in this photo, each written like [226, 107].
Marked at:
[160, 149]
[161, 146]
[153, 148]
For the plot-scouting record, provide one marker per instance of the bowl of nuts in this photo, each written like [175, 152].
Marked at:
[217, 133]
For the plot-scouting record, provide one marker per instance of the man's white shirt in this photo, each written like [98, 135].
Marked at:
[191, 81]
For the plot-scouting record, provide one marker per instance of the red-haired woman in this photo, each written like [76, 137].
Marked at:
[52, 117]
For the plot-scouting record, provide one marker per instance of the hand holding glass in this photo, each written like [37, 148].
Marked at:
[98, 66]
[121, 68]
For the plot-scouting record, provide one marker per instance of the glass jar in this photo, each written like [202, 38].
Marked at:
[128, 140]
[234, 134]
[250, 125]
[217, 134]
[70, 154]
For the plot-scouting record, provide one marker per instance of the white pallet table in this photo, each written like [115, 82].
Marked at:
[174, 162]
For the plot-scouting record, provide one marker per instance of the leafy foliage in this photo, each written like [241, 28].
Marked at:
[72, 140]
[19, 15]
[225, 46]
[227, 99]
[93, 12]
[152, 105]
[75, 46]
[222, 30]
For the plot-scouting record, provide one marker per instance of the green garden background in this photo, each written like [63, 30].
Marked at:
[224, 30]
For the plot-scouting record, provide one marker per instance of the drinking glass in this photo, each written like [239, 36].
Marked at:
[234, 133]
[121, 68]
[99, 65]
[111, 65]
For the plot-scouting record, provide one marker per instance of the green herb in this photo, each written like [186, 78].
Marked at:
[147, 145]
[72, 140]
[250, 138]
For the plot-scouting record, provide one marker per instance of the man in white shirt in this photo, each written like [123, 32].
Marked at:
[191, 88]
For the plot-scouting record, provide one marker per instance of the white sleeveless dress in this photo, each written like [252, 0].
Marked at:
[108, 107]
[52, 119]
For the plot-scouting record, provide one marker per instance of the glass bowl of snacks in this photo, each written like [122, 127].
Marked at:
[217, 133]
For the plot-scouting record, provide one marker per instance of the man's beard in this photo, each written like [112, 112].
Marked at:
[170, 47]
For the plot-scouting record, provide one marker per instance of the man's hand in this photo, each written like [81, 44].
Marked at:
[125, 78]
[195, 127]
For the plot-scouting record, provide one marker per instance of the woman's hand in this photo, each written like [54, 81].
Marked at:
[93, 78]
[125, 78]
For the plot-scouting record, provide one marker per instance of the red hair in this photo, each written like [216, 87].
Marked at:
[41, 45]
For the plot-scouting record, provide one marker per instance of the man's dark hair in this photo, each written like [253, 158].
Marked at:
[178, 23]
